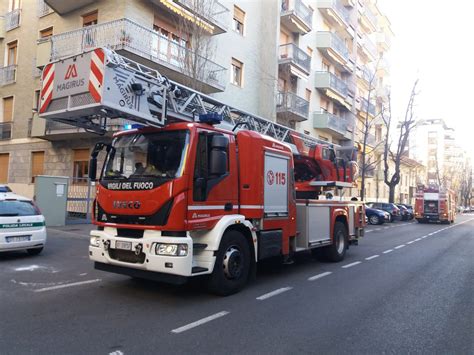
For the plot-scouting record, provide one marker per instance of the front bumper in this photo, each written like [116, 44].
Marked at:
[37, 239]
[196, 262]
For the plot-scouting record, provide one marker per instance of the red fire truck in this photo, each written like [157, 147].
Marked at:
[197, 187]
[435, 204]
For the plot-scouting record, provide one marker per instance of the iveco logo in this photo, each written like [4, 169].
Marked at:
[127, 204]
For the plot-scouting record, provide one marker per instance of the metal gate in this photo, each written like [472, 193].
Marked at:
[81, 195]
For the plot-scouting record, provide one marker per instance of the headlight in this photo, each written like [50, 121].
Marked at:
[95, 241]
[171, 249]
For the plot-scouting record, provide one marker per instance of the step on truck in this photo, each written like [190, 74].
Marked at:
[434, 204]
[195, 187]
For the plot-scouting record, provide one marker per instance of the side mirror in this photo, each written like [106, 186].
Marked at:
[218, 155]
[93, 169]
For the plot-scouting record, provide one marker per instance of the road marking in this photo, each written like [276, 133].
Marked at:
[199, 322]
[430, 233]
[425, 236]
[315, 277]
[411, 242]
[388, 251]
[386, 227]
[372, 257]
[377, 229]
[400, 246]
[417, 239]
[369, 231]
[67, 285]
[351, 264]
[273, 293]
[116, 352]
[83, 274]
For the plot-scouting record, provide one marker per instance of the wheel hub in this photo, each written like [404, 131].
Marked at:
[340, 243]
[232, 264]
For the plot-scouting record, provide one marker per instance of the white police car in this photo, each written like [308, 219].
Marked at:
[22, 226]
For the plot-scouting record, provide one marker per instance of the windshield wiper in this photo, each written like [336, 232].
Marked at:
[8, 214]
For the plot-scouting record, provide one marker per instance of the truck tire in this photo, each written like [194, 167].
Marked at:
[337, 250]
[232, 266]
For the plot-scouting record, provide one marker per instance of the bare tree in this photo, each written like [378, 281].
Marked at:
[368, 160]
[405, 127]
[195, 48]
[465, 190]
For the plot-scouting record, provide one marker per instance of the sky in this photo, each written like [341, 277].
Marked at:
[434, 42]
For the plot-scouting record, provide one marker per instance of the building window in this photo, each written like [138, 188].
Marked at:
[8, 109]
[4, 162]
[46, 33]
[308, 95]
[326, 139]
[81, 166]
[37, 165]
[36, 100]
[90, 18]
[237, 72]
[239, 20]
[325, 66]
[309, 50]
[12, 50]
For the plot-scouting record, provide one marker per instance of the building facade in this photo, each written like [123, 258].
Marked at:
[318, 66]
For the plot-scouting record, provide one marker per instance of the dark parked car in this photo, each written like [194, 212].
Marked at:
[376, 216]
[404, 212]
[410, 211]
[387, 207]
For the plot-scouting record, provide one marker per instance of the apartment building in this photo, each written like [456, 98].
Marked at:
[309, 65]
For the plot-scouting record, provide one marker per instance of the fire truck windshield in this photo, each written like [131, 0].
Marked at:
[147, 155]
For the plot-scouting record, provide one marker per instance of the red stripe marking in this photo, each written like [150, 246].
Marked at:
[47, 85]
[46, 70]
[96, 71]
[95, 94]
[100, 54]
[46, 103]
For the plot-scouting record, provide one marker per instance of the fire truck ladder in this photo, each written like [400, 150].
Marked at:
[155, 100]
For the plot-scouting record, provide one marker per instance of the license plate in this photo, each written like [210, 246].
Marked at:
[22, 238]
[123, 245]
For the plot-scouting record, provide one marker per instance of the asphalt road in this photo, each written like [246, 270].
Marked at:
[407, 288]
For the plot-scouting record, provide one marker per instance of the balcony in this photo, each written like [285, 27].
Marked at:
[62, 7]
[211, 16]
[292, 107]
[5, 130]
[296, 16]
[145, 46]
[8, 75]
[294, 57]
[339, 127]
[336, 13]
[367, 49]
[334, 49]
[368, 20]
[332, 86]
[366, 106]
[43, 9]
[367, 76]
[12, 19]
[384, 41]
[383, 67]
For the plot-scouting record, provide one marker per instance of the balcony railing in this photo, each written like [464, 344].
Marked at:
[43, 9]
[8, 75]
[340, 125]
[325, 79]
[299, 9]
[291, 53]
[12, 19]
[371, 48]
[337, 7]
[368, 75]
[370, 16]
[5, 130]
[212, 11]
[124, 34]
[331, 40]
[367, 107]
[292, 103]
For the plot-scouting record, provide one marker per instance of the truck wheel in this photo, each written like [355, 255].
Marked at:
[232, 266]
[374, 219]
[336, 251]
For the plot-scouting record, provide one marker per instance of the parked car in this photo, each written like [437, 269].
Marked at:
[376, 216]
[22, 226]
[404, 213]
[387, 207]
[5, 188]
[410, 210]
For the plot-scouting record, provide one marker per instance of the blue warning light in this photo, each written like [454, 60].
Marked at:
[210, 118]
